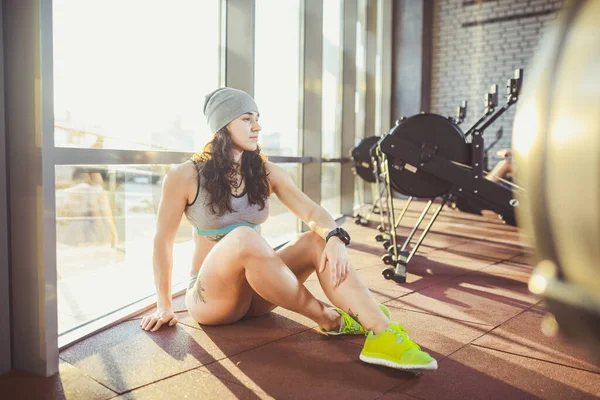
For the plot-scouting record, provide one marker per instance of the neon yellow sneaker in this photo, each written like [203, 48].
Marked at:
[393, 348]
[349, 326]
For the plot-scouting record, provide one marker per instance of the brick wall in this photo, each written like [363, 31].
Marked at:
[477, 43]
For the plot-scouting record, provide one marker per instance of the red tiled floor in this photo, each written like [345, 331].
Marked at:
[126, 357]
[194, 384]
[396, 396]
[478, 297]
[525, 258]
[69, 383]
[510, 269]
[488, 250]
[256, 331]
[523, 335]
[479, 373]
[308, 365]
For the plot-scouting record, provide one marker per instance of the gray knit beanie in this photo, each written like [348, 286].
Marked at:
[226, 104]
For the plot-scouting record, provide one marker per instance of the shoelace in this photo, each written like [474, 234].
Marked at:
[402, 335]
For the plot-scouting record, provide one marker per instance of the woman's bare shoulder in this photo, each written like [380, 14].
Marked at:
[274, 170]
[277, 176]
[182, 173]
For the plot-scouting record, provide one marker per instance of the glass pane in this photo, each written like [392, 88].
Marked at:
[277, 74]
[117, 87]
[361, 70]
[331, 174]
[105, 224]
[106, 220]
[282, 225]
[332, 75]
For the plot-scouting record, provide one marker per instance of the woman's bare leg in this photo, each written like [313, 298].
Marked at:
[352, 296]
[300, 257]
[239, 265]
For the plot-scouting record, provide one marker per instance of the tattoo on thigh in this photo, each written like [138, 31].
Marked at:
[198, 296]
[191, 284]
[355, 316]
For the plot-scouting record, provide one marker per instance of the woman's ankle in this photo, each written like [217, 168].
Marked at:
[380, 327]
[332, 320]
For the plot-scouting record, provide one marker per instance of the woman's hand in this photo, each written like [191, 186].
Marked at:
[336, 258]
[159, 318]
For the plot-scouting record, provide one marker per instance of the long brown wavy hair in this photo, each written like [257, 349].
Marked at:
[218, 170]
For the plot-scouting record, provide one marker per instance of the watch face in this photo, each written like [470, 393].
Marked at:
[344, 234]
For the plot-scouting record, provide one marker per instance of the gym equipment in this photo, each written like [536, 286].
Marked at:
[428, 157]
[556, 153]
[362, 166]
[461, 113]
[388, 235]
[463, 204]
[486, 152]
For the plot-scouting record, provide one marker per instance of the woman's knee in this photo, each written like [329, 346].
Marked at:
[247, 242]
[313, 240]
[313, 245]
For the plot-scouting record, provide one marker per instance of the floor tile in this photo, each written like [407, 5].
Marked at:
[256, 331]
[477, 297]
[439, 266]
[126, 357]
[485, 249]
[308, 366]
[527, 258]
[523, 335]
[510, 269]
[396, 396]
[193, 384]
[69, 383]
[480, 373]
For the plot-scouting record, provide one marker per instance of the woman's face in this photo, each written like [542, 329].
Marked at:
[244, 132]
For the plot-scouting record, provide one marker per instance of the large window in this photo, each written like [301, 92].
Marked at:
[331, 121]
[277, 74]
[133, 74]
[128, 75]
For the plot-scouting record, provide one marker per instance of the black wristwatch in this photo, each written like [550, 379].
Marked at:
[340, 233]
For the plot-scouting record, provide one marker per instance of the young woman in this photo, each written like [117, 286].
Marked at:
[224, 193]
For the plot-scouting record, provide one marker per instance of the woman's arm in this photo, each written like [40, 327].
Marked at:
[170, 210]
[313, 215]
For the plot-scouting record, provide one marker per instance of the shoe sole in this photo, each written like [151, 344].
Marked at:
[432, 366]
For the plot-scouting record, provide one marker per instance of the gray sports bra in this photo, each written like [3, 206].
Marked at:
[208, 224]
